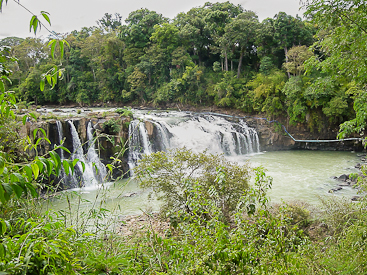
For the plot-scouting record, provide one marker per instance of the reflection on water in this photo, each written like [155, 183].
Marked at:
[298, 175]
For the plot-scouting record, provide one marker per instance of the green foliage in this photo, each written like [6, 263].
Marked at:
[296, 56]
[112, 126]
[174, 175]
[38, 247]
[267, 92]
[125, 112]
[341, 35]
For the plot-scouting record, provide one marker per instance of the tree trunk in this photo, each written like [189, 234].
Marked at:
[94, 75]
[286, 59]
[239, 65]
[225, 61]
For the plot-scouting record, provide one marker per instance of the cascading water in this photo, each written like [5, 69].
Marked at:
[99, 169]
[70, 179]
[88, 175]
[138, 142]
[196, 132]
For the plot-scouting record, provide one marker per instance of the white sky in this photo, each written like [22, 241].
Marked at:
[69, 15]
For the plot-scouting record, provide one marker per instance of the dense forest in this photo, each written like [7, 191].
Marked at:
[218, 54]
[215, 216]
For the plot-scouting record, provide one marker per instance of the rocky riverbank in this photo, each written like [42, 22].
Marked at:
[351, 180]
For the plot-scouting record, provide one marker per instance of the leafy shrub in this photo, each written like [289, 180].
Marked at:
[173, 175]
[111, 126]
[124, 112]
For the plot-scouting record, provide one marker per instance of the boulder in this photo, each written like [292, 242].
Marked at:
[343, 177]
[335, 189]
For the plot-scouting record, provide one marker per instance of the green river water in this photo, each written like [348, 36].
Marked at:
[297, 176]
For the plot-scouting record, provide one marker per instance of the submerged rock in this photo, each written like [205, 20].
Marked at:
[335, 189]
[343, 177]
[356, 198]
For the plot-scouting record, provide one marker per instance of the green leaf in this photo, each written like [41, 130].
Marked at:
[66, 166]
[2, 194]
[33, 115]
[46, 16]
[35, 133]
[8, 190]
[28, 171]
[2, 165]
[53, 46]
[71, 165]
[61, 44]
[42, 85]
[57, 161]
[63, 148]
[2, 254]
[43, 132]
[32, 22]
[17, 190]
[49, 166]
[7, 79]
[110, 167]
[3, 227]
[31, 189]
[66, 42]
[40, 166]
[48, 78]
[83, 165]
[16, 177]
[35, 170]
[24, 119]
[2, 87]
[75, 161]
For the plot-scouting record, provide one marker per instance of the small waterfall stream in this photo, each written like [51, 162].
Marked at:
[70, 179]
[87, 175]
[196, 132]
[99, 170]
[94, 170]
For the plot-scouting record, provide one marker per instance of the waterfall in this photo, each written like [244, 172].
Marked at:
[163, 135]
[138, 142]
[99, 169]
[196, 132]
[69, 180]
[88, 175]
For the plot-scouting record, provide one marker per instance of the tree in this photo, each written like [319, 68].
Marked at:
[137, 81]
[139, 28]
[193, 33]
[342, 32]
[296, 56]
[217, 17]
[241, 31]
[174, 174]
[108, 23]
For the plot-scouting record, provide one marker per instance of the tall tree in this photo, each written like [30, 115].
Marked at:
[342, 41]
[241, 32]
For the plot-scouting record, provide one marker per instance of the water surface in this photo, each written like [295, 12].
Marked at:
[297, 176]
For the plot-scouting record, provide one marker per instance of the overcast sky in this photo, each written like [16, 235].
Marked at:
[69, 15]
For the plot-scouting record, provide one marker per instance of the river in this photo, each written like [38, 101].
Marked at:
[297, 176]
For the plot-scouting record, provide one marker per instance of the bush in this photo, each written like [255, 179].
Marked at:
[111, 126]
[125, 112]
[175, 174]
